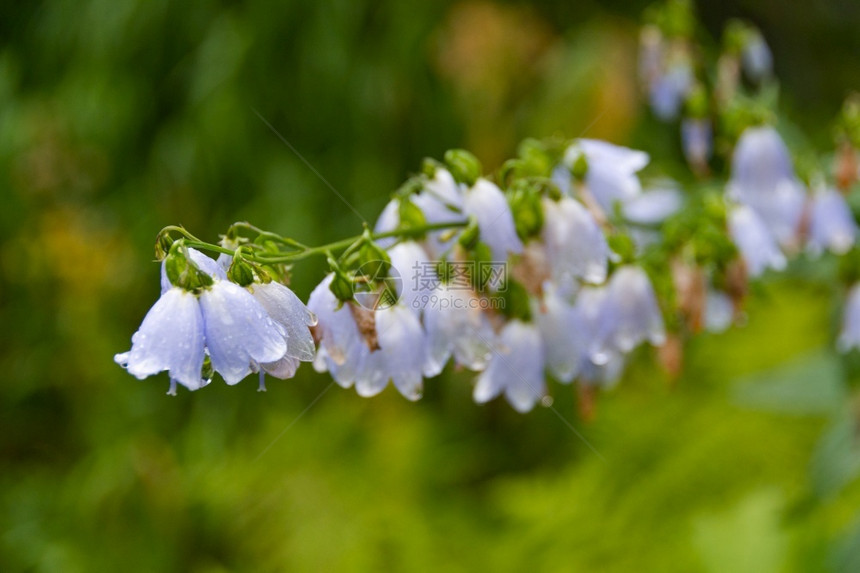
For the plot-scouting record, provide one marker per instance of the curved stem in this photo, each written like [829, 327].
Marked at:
[304, 252]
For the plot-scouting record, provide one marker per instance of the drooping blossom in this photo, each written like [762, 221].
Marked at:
[398, 352]
[753, 239]
[611, 175]
[487, 204]
[831, 224]
[563, 333]
[628, 315]
[575, 245]
[455, 325]
[290, 313]
[515, 369]
[763, 178]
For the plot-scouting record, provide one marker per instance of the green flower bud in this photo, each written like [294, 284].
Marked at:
[240, 272]
[341, 285]
[525, 204]
[470, 235]
[464, 166]
[182, 272]
[429, 167]
[163, 243]
[580, 167]
[373, 261]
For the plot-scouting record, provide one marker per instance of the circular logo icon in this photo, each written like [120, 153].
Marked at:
[374, 288]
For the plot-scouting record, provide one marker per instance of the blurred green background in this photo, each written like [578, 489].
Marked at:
[120, 117]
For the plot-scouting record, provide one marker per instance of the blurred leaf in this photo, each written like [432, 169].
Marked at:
[811, 384]
[836, 460]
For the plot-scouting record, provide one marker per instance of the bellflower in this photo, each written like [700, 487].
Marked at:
[628, 315]
[294, 318]
[611, 175]
[169, 338]
[756, 58]
[563, 333]
[589, 302]
[763, 178]
[455, 325]
[342, 349]
[416, 274]
[575, 244]
[515, 368]
[653, 206]
[757, 246]
[849, 336]
[486, 202]
[400, 357]
[669, 89]
[239, 332]
[697, 139]
[831, 223]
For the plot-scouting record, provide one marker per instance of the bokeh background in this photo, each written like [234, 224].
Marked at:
[118, 117]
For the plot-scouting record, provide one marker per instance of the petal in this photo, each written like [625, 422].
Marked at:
[170, 338]
[401, 349]
[238, 331]
[206, 264]
[285, 308]
[754, 241]
[575, 244]
[416, 274]
[563, 332]
[653, 207]
[488, 205]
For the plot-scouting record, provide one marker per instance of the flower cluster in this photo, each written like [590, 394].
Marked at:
[557, 266]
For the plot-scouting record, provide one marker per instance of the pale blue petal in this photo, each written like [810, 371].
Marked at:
[831, 224]
[286, 309]
[563, 334]
[416, 275]
[575, 244]
[488, 205]
[206, 264]
[754, 241]
[170, 338]
[238, 331]
[401, 349]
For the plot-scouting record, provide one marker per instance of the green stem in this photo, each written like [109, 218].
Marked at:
[307, 252]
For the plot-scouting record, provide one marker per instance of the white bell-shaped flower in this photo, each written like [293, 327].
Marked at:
[757, 246]
[831, 223]
[563, 332]
[290, 313]
[611, 175]
[239, 332]
[628, 315]
[169, 338]
[486, 202]
[456, 325]
[400, 357]
[516, 368]
[575, 244]
[763, 178]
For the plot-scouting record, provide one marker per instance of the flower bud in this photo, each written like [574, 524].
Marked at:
[182, 272]
[580, 167]
[526, 209]
[410, 214]
[240, 272]
[162, 245]
[464, 166]
[341, 286]
[373, 261]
